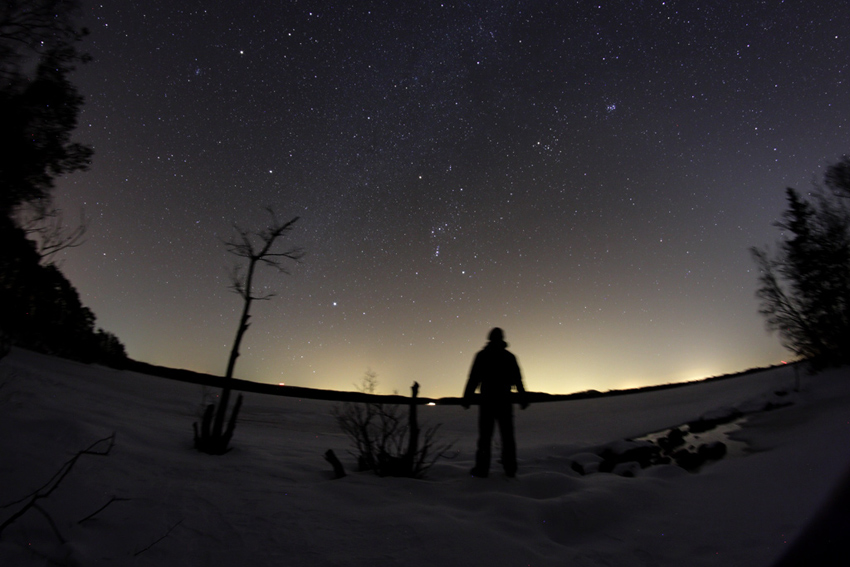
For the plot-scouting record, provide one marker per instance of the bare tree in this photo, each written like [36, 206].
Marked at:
[256, 248]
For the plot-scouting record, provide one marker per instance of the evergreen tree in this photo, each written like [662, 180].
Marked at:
[837, 177]
[804, 288]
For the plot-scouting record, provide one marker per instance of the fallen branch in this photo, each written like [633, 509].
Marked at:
[165, 535]
[50, 521]
[31, 500]
[102, 508]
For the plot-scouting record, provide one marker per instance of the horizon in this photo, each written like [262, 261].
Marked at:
[167, 372]
[451, 387]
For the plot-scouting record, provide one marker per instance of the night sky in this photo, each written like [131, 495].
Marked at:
[587, 176]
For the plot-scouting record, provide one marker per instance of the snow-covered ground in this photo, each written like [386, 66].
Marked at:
[272, 501]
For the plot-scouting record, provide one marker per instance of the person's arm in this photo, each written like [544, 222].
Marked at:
[472, 383]
[523, 402]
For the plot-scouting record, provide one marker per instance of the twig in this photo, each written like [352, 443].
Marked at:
[52, 484]
[165, 535]
[99, 510]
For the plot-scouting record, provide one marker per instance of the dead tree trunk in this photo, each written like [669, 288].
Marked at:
[221, 414]
[413, 430]
[331, 457]
[255, 247]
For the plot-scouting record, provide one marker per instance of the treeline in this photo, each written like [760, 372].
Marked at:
[363, 397]
[41, 310]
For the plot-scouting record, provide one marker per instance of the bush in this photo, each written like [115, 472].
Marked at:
[384, 441]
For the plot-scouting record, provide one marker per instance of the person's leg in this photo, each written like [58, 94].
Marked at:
[485, 436]
[506, 432]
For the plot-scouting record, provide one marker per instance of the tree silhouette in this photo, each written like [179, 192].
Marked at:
[256, 248]
[804, 288]
[41, 310]
[44, 224]
[837, 177]
[38, 108]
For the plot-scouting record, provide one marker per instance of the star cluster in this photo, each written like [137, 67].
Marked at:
[588, 176]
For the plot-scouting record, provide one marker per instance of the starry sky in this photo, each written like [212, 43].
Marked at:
[589, 176]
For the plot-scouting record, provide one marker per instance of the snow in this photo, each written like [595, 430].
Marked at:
[272, 499]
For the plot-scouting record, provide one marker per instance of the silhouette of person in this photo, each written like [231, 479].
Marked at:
[496, 371]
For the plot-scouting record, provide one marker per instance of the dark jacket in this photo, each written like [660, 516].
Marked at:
[495, 369]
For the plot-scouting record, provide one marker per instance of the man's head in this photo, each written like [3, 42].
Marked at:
[496, 335]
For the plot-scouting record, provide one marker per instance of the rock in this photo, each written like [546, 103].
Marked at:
[712, 419]
[629, 468]
[644, 454]
[688, 460]
[585, 463]
[675, 438]
[712, 451]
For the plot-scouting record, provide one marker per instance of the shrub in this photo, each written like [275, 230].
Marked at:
[384, 441]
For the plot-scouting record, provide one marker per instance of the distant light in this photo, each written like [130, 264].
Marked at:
[431, 404]
[281, 384]
[783, 362]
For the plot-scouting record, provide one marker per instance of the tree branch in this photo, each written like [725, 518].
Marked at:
[47, 489]
[102, 508]
[41, 220]
[165, 535]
